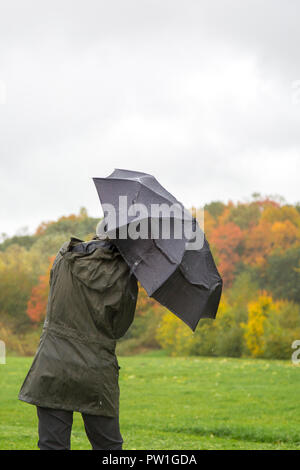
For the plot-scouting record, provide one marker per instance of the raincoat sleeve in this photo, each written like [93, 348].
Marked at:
[124, 316]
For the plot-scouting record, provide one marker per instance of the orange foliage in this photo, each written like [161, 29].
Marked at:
[144, 302]
[224, 218]
[43, 227]
[37, 304]
[258, 243]
[72, 217]
[227, 239]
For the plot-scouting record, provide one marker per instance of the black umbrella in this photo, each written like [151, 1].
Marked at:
[178, 270]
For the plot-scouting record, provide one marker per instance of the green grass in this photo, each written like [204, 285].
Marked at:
[179, 403]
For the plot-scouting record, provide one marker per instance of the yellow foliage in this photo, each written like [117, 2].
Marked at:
[258, 312]
[281, 213]
[284, 233]
[175, 336]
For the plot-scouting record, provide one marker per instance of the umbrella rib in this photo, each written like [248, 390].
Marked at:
[150, 189]
[163, 253]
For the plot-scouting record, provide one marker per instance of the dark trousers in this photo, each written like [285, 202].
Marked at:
[55, 430]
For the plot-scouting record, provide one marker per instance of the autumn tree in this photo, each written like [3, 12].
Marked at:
[37, 304]
[258, 312]
[282, 276]
[227, 238]
[17, 276]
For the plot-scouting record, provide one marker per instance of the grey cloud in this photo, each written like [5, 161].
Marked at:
[197, 93]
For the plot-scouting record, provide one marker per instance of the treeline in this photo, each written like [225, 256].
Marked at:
[256, 246]
[257, 250]
[24, 277]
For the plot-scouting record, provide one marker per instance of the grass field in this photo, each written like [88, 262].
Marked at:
[179, 403]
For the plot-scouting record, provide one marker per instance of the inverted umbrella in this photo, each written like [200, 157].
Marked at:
[180, 276]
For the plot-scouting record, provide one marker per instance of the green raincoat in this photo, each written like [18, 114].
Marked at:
[91, 304]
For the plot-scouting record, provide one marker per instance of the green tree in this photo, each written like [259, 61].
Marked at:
[215, 208]
[245, 215]
[282, 276]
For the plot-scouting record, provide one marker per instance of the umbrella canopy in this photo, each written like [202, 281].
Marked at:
[180, 275]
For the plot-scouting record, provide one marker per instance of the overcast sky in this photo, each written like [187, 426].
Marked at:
[205, 95]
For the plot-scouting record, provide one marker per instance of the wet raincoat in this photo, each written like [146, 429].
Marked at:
[91, 304]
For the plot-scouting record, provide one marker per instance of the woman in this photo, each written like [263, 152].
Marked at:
[91, 304]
